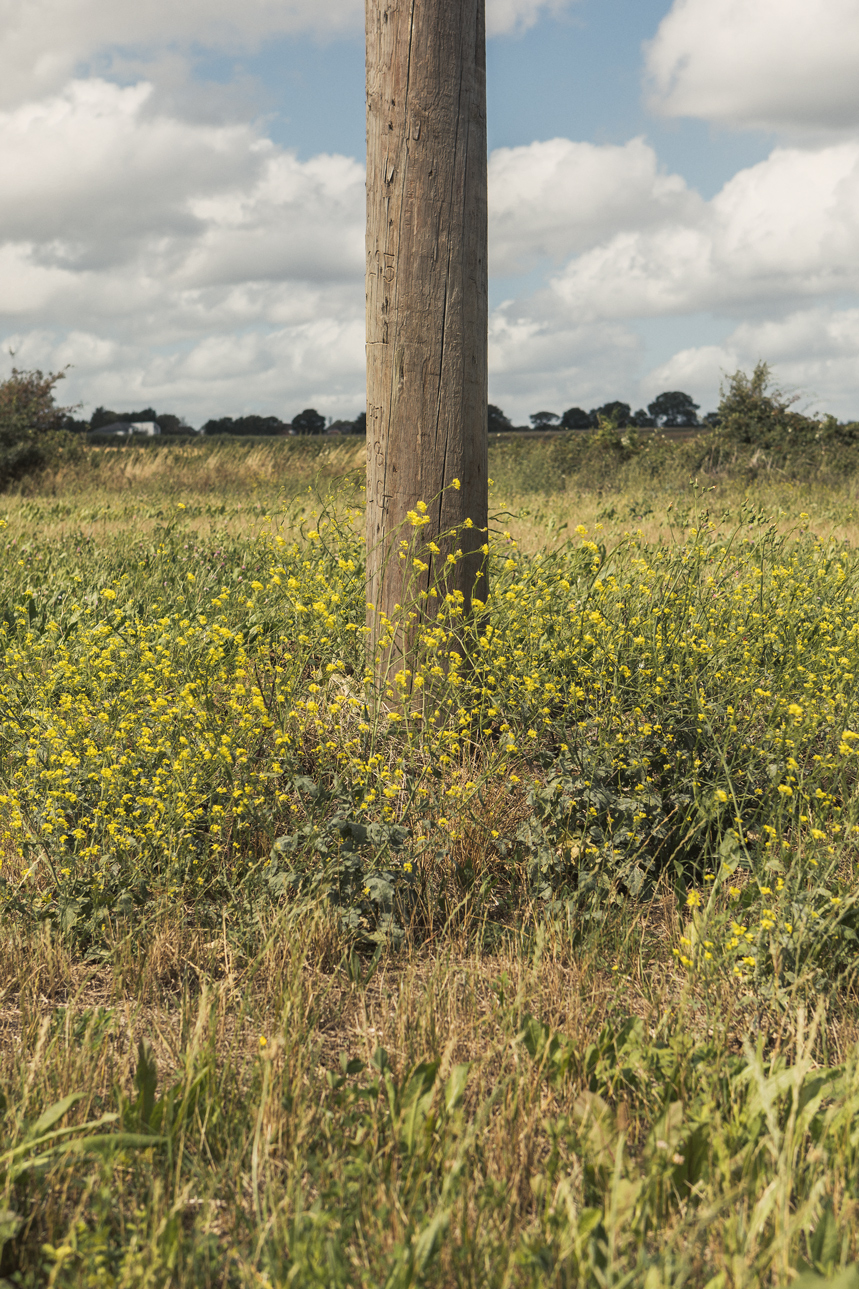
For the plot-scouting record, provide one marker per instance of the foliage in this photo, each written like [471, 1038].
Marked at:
[576, 418]
[308, 422]
[30, 424]
[544, 420]
[27, 404]
[168, 423]
[534, 965]
[615, 413]
[673, 408]
[755, 422]
[254, 425]
[205, 714]
[497, 421]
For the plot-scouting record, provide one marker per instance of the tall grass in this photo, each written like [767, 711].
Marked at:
[536, 971]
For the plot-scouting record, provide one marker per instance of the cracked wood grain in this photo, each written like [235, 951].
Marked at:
[426, 285]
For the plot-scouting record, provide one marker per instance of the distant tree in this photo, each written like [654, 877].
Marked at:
[171, 424]
[576, 418]
[497, 421]
[643, 419]
[308, 422]
[73, 425]
[674, 408]
[359, 425]
[219, 425]
[543, 420]
[712, 418]
[102, 416]
[258, 426]
[619, 414]
[147, 414]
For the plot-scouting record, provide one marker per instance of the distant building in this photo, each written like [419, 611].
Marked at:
[125, 429]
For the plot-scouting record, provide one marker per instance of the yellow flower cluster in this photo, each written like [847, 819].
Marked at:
[157, 706]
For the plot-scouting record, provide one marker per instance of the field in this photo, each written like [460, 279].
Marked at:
[537, 968]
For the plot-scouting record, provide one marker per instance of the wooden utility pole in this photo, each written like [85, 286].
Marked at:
[427, 304]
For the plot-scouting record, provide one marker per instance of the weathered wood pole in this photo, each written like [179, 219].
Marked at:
[427, 307]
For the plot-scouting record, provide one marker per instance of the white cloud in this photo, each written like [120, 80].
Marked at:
[177, 260]
[279, 371]
[116, 209]
[774, 64]
[504, 16]
[555, 198]
[94, 171]
[813, 351]
[199, 267]
[537, 359]
[43, 42]
[778, 232]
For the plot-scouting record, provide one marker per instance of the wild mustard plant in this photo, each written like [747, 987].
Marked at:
[687, 706]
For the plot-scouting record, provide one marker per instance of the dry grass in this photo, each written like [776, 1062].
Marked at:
[280, 1149]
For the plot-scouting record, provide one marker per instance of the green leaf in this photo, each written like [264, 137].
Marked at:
[417, 1100]
[846, 1279]
[455, 1088]
[54, 1113]
[146, 1081]
[427, 1243]
[10, 1225]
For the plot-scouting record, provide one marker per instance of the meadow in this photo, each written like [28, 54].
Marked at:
[536, 967]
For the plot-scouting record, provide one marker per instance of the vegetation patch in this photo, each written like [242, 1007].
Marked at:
[533, 964]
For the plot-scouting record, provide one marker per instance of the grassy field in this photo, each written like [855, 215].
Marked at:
[541, 971]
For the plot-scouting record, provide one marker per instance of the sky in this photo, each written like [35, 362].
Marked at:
[674, 195]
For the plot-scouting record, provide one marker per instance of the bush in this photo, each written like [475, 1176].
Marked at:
[31, 424]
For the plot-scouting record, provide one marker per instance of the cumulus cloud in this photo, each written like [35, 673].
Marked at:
[276, 371]
[813, 351]
[208, 257]
[42, 42]
[91, 173]
[180, 210]
[534, 356]
[772, 64]
[504, 16]
[556, 198]
[777, 232]
[186, 260]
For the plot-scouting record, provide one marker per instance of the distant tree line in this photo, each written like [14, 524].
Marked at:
[102, 417]
[670, 410]
[307, 422]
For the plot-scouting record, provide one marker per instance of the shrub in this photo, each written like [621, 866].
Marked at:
[31, 424]
[757, 429]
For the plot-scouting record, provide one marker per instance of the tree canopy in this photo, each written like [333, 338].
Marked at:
[168, 422]
[308, 422]
[496, 420]
[258, 426]
[674, 408]
[618, 413]
[576, 418]
[27, 404]
[543, 420]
